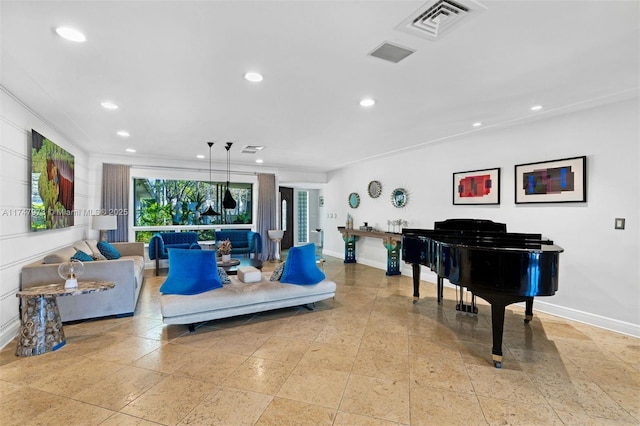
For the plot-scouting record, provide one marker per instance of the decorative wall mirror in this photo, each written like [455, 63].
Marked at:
[399, 197]
[374, 189]
[354, 200]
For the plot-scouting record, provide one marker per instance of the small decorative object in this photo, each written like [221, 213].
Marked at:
[399, 197]
[224, 248]
[354, 200]
[556, 181]
[70, 271]
[477, 187]
[397, 224]
[349, 224]
[374, 189]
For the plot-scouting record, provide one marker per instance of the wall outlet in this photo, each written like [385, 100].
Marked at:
[619, 223]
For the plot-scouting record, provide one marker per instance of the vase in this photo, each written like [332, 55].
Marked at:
[226, 258]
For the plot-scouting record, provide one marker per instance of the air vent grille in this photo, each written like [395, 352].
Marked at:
[437, 17]
[391, 52]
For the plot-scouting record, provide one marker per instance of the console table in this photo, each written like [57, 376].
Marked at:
[390, 240]
[40, 324]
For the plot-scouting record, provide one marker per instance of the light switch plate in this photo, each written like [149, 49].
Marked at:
[619, 223]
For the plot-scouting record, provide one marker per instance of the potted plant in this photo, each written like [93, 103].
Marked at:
[224, 248]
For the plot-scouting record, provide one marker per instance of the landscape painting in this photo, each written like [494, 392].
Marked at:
[52, 185]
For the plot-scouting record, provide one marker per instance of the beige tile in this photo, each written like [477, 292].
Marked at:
[315, 386]
[379, 340]
[608, 372]
[581, 418]
[211, 366]
[22, 403]
[74, 377]
[382, 363]
[385, 399]
[127, 350]
[120, 419]
[168, 358]
[504, 384]
[440, 373]
[260, 375]
[348, 419]
[329, 356]
[584, 397]
[120, 388]
[70, 412]
[287, 412]
[283, 349]
[628, 398]
[169, 401]
[241, 343]
[229, 407]
[501, 412]
[432, 406]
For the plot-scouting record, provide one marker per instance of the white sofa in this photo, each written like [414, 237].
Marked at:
[127, 273]
[238, 298]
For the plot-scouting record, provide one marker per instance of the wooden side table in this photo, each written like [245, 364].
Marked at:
[40, 324]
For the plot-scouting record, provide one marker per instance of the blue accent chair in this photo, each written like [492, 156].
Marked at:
[243, 241]
[162, 241]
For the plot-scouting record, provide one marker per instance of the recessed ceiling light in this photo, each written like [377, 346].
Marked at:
[367, 102]
[536, 108]
[109, 105]
[477, 124]
[199, 156]
[130, 150]
[259, 160]
[123, 133]
[71, 34]
[253, 77]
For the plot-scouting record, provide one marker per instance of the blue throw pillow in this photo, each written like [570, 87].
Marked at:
[108, 251]
[82, 256]
[300, 267]
[191, 272]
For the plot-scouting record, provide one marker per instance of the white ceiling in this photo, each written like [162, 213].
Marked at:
[175, 69]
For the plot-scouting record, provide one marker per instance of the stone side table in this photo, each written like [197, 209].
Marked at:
[40, 324]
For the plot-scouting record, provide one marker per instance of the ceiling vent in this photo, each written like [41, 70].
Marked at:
[438, 17]
[252, 149]
[391, 52]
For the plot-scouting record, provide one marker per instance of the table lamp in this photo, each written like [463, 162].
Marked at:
[104, 224]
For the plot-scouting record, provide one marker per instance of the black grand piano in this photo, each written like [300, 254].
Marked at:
[499, 266]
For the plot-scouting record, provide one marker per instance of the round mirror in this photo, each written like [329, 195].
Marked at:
[354, 200]
[374, 189]
[399, 197]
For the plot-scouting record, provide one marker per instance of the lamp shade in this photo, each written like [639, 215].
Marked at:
[103, 223]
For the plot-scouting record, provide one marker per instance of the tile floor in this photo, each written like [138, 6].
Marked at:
[368, 357]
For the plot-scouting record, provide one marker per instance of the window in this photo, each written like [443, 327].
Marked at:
[166, 203]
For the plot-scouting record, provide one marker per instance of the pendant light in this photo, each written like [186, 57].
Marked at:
[210, 211]
[228, 202]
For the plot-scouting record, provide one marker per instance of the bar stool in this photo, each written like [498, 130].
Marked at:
[275, 235]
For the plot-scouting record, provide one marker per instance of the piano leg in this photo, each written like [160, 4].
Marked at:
[528, 310]
[415, 267]
[497, 324]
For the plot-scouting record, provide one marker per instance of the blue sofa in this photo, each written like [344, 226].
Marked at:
[162, 241]
[243, 241]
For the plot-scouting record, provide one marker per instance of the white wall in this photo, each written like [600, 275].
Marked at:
[599, 270]
[18, 245]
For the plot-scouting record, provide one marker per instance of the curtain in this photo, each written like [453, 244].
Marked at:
[267, 210]
[115, 197]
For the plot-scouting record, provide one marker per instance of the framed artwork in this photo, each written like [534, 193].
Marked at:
[354, 200]
[399, 197]
[477, 187]
[374, 189]
[556, 181]
[52, 184]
